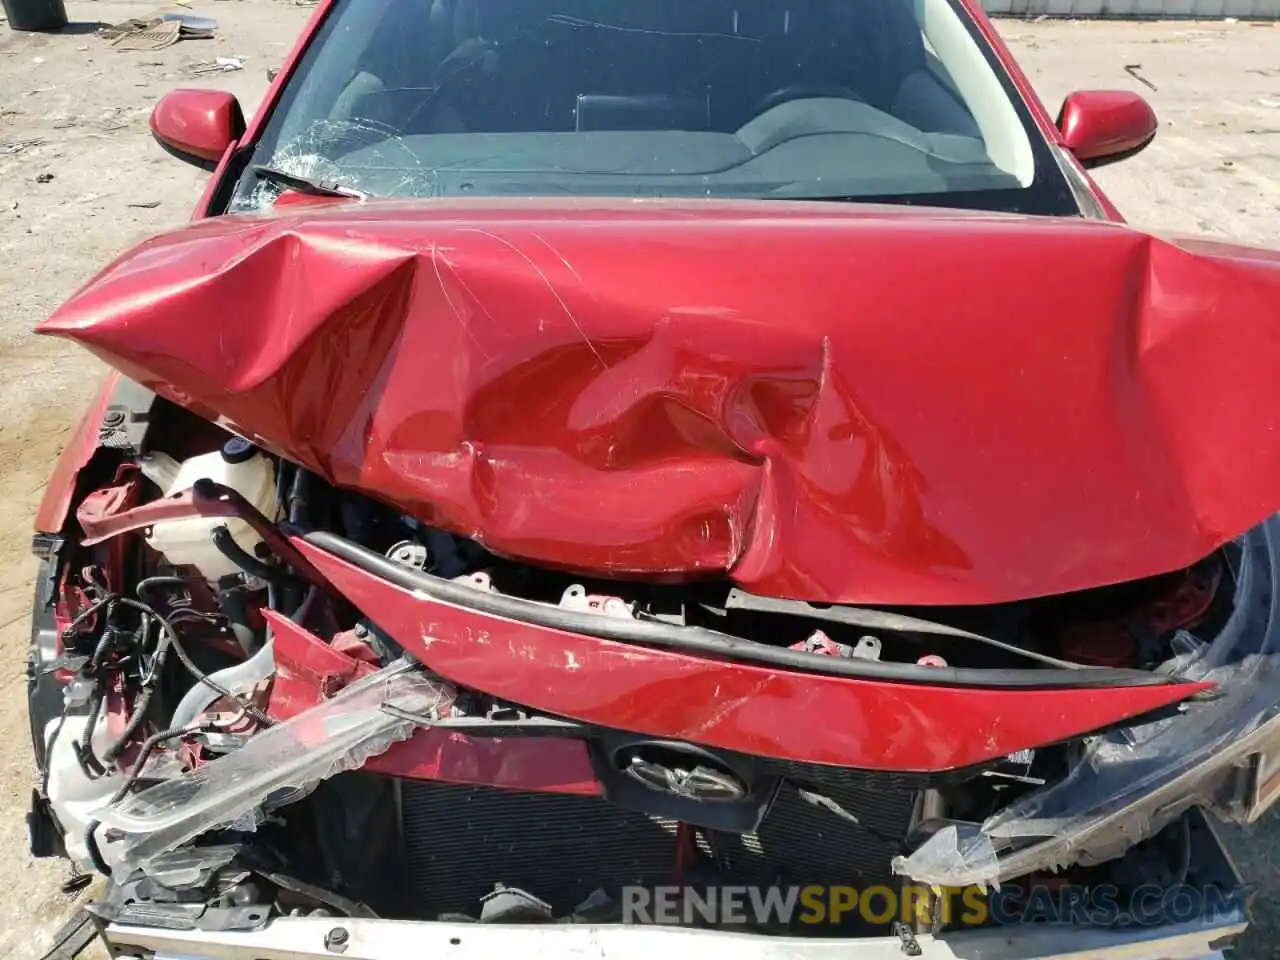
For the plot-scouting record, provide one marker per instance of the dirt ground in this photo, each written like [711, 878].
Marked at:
[81, 180]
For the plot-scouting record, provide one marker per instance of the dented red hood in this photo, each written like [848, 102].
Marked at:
[829, 402]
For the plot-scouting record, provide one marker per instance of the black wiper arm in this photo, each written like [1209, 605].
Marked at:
[300, 184]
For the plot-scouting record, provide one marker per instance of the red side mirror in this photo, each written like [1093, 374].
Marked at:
[197, 126]
[1104, 126]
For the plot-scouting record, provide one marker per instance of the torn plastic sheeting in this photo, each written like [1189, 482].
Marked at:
[278, 766]
[190, 868]
[1134, 782]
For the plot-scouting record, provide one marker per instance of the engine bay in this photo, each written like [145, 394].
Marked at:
[195, 627]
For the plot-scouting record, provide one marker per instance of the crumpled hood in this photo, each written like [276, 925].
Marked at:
[827, 402]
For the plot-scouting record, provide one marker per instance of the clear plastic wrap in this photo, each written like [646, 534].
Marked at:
[1133, 782]
[278, 766]
[189, 868]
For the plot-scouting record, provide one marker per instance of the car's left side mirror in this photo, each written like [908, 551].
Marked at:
[197, 126]
[1104, 126]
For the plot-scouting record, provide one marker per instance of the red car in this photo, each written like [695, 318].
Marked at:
[615, 476]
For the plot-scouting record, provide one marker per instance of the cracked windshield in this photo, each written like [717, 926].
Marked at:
[804, 99]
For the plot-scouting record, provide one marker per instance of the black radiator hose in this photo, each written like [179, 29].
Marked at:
[227, 546]
[91, 845]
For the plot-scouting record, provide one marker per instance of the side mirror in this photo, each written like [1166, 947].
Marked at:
[197, 126]
[1105, 126]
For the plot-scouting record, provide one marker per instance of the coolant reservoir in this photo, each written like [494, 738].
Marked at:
[238, 465]
[72, 794]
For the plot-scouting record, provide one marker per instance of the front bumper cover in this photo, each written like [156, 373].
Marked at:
[1180, 937]
[304, 938]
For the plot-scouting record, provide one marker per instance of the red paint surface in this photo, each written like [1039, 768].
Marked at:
[81, 443]
[770, 712]
[202, 123]
[808, 413]
[102, 515]
[307, 669]
[971, 408]
[101, 510]
[56, 501]
[1097, 124]
[527, 764]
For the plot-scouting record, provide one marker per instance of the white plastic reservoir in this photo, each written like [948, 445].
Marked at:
[238, 465]
[74, 797]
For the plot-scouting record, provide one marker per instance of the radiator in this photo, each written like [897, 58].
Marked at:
[463, 841]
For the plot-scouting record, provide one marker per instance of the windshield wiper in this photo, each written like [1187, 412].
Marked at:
[300, 184]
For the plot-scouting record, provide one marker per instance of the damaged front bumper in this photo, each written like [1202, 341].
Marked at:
[1216, 753]
[354, 938]
[301, 938]
[297, 938]
[1219, 753]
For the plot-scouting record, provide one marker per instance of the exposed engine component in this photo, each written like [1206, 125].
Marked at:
[576, 598]
[202, 665]
[867, 648]
[190, 542]
[410, 554]
[73, 793]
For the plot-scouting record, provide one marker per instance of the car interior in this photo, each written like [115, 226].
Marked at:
[592, 65]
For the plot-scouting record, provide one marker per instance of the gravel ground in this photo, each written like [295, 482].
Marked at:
[74, 108]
